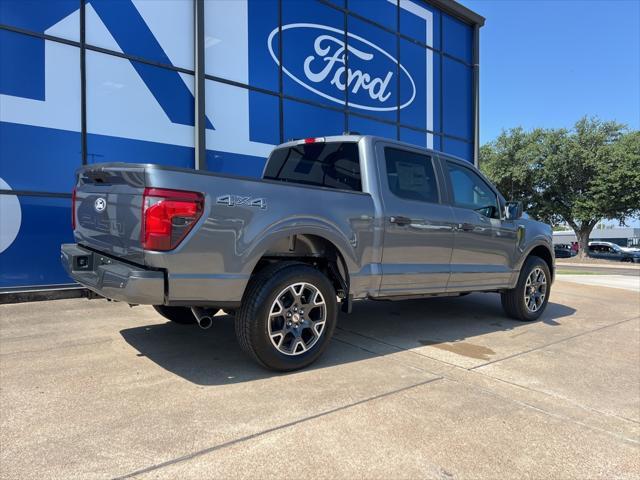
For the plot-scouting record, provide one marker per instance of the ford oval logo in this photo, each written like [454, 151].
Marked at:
[100, 204]
[322, 70]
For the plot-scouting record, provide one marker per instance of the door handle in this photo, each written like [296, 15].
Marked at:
[465, 227]
[399, 220]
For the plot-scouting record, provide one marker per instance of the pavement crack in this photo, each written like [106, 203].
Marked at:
[262, 433]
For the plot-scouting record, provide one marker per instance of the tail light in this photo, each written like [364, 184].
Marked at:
[168, 216]
[73, 208]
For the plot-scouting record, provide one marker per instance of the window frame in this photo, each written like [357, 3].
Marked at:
[500, 202]
[384, 174]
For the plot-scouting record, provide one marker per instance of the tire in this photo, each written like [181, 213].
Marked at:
[181, 315]
[272, 325]
[528, 309]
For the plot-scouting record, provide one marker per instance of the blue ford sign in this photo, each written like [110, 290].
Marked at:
[276, 70]
[368, 77]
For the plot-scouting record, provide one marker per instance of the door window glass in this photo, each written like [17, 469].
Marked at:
[470, 191]
[411, 175]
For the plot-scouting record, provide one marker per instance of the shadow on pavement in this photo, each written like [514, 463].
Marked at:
[213, 357]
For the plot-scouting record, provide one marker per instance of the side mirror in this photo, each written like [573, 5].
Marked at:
[513, 210]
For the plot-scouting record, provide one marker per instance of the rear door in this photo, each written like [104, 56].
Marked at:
[484, 244]
[108, 210]
[418, 229]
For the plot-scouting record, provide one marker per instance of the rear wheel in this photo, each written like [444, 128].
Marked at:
[181, 315]
[287, 316]
[529, 298]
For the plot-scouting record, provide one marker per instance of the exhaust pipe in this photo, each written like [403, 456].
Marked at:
[203, 316]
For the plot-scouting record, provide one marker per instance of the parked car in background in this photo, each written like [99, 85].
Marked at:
[612, 251]
[563, 251]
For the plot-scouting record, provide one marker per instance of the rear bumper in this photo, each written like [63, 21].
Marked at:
[112, 278]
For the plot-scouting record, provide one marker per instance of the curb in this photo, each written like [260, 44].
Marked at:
[598, 265]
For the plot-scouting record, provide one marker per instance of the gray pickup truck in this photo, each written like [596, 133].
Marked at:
[332, 220]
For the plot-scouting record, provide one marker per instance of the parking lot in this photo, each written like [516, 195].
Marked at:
[437, 388]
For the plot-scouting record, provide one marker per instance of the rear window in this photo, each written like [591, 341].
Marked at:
[332, 164]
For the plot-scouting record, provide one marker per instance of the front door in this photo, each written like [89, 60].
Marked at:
[484, 244]
[418, 228]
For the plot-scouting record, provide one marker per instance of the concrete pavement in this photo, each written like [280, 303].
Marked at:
[625, 282]
[440, 388]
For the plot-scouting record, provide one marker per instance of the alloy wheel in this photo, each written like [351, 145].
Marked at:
[297, 318]
[535, 290]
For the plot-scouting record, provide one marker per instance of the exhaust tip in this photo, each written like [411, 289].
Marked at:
[205, 322]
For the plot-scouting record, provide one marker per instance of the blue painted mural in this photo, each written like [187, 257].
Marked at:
[408, 76]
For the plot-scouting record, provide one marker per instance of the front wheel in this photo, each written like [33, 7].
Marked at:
[287, 317]
[529, 298]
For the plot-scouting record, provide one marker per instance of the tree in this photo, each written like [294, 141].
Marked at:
[578, 176]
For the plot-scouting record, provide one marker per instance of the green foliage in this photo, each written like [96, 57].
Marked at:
[578, 176]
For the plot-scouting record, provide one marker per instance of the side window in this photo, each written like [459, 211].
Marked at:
[470, 191]
[411, 175]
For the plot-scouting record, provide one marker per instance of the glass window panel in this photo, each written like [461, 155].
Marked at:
[373, 83]
[302, 121]
[366, 126]
[420, 21]
[157, 30]
[313, 55]
[42, 225]
[138, 113]
[414, 137]
[457, 38]
[239, 31]
[60, 18]
[421, 87]
[459, 148]
[457, 99]
[39, 136]
[383, 12]
[246, 127]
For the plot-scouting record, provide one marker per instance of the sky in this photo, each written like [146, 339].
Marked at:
[546, 63]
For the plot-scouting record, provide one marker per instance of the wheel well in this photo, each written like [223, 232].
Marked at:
[545, 254]
[313, 250]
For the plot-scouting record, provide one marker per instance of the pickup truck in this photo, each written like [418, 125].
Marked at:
[332, 220]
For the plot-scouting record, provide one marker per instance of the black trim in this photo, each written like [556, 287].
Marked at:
[280, 79]
[83, 83]
[398, 89]
[476, 96]
[345, 24]
[200, 125]
[31, 193]
[44, 293]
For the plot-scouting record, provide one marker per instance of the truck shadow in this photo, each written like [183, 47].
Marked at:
[213, 357]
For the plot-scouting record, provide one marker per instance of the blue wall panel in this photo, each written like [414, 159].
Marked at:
[38, 159]
[34, 259]
[457, 99]
[138, 111]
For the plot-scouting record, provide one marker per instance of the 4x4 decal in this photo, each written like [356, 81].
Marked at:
[239, 200]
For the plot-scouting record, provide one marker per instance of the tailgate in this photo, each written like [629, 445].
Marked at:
[108, 209]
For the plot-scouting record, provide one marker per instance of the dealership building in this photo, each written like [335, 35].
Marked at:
[212, 85]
